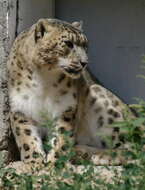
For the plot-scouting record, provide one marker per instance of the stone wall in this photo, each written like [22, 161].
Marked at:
[4, 41]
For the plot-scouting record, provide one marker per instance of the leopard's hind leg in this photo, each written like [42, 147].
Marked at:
[98, 109]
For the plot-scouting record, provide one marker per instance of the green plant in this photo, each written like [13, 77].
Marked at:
[64, 177]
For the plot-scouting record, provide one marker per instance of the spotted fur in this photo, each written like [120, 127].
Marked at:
[47, 73]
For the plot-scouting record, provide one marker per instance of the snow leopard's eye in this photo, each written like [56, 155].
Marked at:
[69, 44]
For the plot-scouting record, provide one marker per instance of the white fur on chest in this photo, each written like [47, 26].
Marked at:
[43, 99]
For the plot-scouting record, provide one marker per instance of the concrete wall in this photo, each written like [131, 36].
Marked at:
[29, 11]
[116, 31]
[4, 47]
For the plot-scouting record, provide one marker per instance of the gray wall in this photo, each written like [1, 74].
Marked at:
[4, 48]
[29, 11]
[116, 31]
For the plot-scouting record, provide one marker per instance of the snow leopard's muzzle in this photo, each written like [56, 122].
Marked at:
[74, 69]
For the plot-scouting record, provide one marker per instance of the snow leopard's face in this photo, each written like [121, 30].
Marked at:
[61, 45]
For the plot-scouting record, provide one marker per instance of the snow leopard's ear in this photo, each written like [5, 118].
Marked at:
[40, 29]
[78, 25]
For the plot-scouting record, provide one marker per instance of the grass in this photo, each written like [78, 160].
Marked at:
[64, 178]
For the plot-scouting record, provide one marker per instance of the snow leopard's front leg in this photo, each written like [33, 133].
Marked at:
[63, 135]
[28, 139]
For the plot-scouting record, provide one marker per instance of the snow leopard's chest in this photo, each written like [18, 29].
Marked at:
[49, 99]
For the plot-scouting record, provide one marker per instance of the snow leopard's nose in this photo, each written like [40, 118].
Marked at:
[83, 64]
